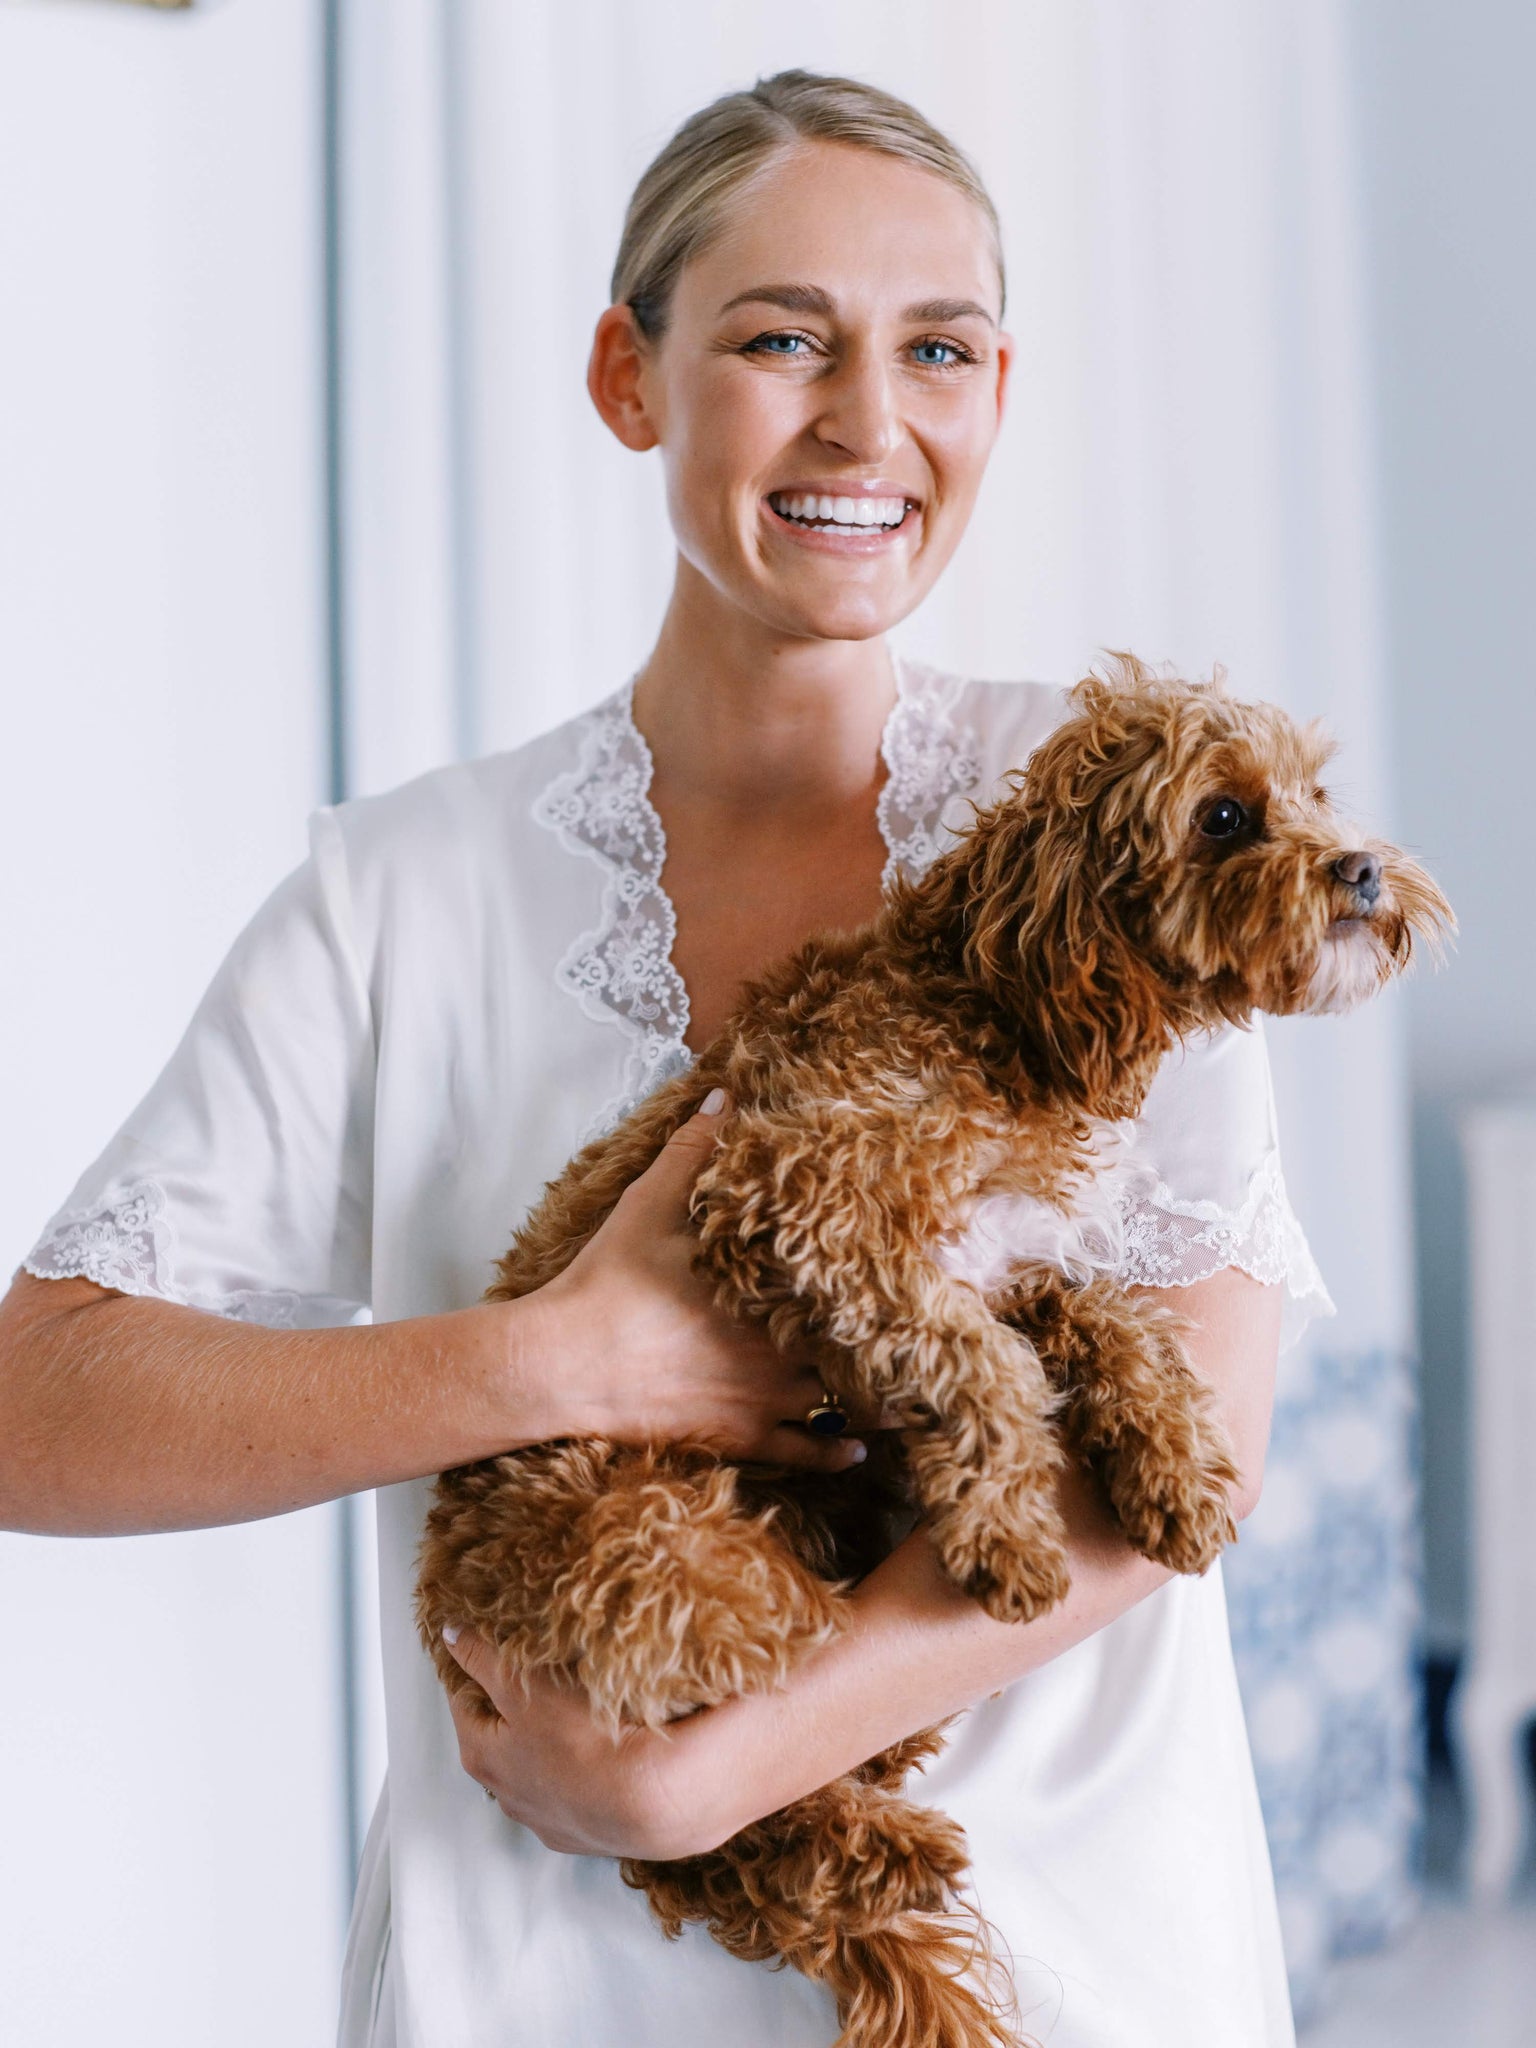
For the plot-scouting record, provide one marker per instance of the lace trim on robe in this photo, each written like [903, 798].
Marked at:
[929, 759]
[1169, 1242]
[621, 972]
[128, 1243]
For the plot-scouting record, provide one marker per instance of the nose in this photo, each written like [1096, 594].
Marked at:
[860, 416]
[1361, 872]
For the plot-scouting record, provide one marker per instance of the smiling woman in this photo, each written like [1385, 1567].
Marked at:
[867, 368]
[470, 975]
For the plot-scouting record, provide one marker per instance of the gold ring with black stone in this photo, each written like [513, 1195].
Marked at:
[828, 1417]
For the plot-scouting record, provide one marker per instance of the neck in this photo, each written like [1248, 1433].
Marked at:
[737, 713]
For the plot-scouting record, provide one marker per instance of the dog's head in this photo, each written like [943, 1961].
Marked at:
[1170, 860]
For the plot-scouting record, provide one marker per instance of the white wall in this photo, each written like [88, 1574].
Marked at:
[169, 1729]
[1449, 161]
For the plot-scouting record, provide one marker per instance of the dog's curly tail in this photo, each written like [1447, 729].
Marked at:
[926, 1980]
[862, 1892]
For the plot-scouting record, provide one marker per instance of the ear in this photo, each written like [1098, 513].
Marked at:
[1092, 1001]
[1090, 1018]
[1006, 352]
[617, 378]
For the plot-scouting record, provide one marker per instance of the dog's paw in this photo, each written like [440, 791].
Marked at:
[1178, 1518]
[1014, 1575]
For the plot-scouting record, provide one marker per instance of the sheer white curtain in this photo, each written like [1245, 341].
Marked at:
[173, 1869]
[1184, 473]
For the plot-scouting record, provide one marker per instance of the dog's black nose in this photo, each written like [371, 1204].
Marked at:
[1361, 872]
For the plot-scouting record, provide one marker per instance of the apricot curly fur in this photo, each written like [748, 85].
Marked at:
[970, 1043]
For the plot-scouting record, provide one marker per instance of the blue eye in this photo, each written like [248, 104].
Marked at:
[784, 345]
[934, 354]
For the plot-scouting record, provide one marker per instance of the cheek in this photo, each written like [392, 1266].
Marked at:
[957, 432]
[724, 434]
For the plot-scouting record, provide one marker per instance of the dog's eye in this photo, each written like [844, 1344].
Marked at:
[1224, 817]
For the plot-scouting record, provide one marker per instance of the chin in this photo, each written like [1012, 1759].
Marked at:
[1352, 964]
[842, 614]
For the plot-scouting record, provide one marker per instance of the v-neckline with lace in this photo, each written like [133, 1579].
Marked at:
[622, 972]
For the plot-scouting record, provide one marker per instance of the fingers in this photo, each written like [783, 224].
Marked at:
[673, 1169]
[792, 1444]
[479, 1659]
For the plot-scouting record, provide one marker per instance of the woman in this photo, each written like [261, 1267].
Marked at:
[472, 973]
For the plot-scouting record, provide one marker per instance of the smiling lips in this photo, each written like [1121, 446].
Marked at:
[857, 518]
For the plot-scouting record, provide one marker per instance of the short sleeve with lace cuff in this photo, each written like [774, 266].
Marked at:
[1212, 1193]
[241, 1185]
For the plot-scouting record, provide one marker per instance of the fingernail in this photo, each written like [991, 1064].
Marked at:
[713, 1102]
[450, 1636]
[857, 1452]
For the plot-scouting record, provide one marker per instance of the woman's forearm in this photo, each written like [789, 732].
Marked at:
[121, 1414]
[918, 1651]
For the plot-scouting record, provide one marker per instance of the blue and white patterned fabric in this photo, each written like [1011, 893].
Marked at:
[1324, 1597]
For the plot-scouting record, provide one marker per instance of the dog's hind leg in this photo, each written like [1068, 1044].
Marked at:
[1135, 1410]
[856, 1887]
[657, 1579]
[643, 1576]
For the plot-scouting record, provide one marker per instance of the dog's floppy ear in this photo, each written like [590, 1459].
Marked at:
[1047, 902]
[1094, 1018]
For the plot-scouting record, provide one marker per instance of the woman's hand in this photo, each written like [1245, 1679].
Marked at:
[915, 1652]
[657, 1359]
[550, 1765]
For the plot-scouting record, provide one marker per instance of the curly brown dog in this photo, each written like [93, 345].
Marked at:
[1167, 863]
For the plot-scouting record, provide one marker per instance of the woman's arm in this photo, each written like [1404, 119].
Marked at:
[123, 1414]
[918, 1651]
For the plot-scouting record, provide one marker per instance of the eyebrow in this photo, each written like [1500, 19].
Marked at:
[810, 298]
[948, 309]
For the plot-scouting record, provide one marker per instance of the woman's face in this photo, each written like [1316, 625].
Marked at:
[828, 390]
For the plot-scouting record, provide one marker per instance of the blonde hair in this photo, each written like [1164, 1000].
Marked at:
[683, 198]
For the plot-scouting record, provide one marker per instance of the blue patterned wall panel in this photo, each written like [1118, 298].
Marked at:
[1324, 1597]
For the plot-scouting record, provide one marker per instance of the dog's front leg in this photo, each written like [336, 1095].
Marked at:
[798, 1231]
[1134, 1409]
[977, 1414]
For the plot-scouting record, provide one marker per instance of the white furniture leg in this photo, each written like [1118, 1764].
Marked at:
[1490, 1728]
[1499, 1689]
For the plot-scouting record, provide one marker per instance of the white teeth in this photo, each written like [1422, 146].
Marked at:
[843, 514]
